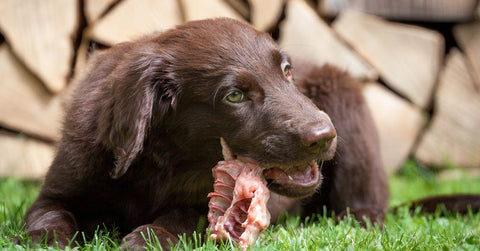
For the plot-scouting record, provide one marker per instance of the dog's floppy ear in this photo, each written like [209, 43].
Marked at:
[139, 82]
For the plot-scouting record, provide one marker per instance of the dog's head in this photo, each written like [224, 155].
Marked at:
[219, 78]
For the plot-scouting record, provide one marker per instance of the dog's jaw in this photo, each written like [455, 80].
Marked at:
[296, 181]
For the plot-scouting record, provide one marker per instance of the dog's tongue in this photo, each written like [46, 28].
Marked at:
[301, 175]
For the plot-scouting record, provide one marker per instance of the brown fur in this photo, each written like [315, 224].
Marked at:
[355, 177]
[142, 134]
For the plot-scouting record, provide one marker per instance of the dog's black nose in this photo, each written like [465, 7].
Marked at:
[317, 137]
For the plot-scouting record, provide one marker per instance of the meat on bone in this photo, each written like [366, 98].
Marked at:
[238, 206]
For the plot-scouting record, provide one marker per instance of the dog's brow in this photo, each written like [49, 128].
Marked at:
[280, 57]
[242, 80]
[277, 56]
[285, 57]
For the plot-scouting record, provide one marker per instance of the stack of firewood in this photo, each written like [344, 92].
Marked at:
[422, 84]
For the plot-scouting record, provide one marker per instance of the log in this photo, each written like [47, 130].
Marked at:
[241, 7]
[416, 10]
[82, 54]
[468, 37]
[196, 10]
[265, 13]
[303, 34]
[95, 8]
[399, 124]
[407, 57]
[41, 33]
[131, 19]
[453, 136]
[22, 157]
[25, 105]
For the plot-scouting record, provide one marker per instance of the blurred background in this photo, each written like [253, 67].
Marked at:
[418, 60]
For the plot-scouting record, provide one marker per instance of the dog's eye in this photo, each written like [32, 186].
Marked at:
[236, 97]
[286, 67]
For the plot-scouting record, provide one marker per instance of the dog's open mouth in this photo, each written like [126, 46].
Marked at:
[296, 181]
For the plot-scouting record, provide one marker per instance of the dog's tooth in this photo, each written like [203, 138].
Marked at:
[290, 177]
[227, 153]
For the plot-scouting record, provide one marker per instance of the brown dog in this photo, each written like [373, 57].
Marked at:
[143, 133]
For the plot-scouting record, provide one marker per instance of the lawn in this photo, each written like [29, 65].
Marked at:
[402, 230]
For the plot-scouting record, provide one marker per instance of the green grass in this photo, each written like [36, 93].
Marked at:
[402, 230]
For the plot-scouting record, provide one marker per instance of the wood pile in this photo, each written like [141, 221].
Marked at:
[419, 62]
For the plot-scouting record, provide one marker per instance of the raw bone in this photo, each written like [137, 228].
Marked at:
[238, 205]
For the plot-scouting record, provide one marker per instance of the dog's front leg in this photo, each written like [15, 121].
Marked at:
[138, 238]
[165, 228]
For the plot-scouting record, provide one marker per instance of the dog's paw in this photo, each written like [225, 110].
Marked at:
[364, 216]
[51, 238]
[138, 239]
